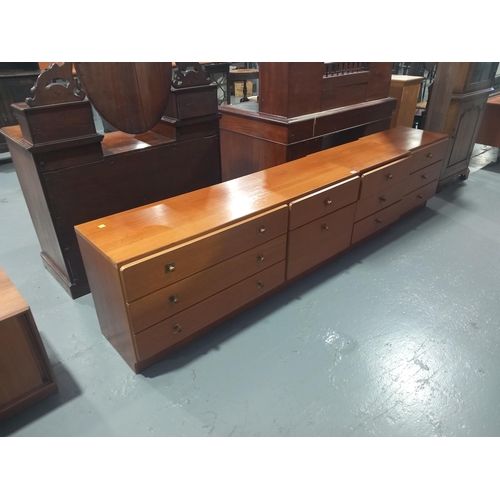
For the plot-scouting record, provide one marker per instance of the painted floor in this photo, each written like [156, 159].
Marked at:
[398, 337]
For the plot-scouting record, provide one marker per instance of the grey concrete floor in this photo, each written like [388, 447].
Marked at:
[398, 337]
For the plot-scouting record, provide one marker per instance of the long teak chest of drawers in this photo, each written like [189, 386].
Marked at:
[165, 273]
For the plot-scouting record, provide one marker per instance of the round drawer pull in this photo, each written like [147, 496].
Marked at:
[262, 230]
[174, 299]
[260, 284]
[424, 176]
[389, 176]
[383, 198]
[378, 221]
[177, 328]
[260, 258]
[325, 227]
[429, 155]
[420, 197]
[328, 202]
[170, 267]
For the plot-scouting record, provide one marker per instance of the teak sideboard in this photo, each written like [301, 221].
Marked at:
[165, 273]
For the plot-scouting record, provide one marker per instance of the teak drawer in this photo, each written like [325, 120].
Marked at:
[426, 156]
[375, 222]
[319, 240]
[162, 269]
[416, 198]
[323, 202]
[379, 201]
[174, 298]
[423, 176]
[383, 177]
[188, 322]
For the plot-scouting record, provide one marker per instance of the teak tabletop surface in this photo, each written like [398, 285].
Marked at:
[145, 230]
[12, 302]
[405, 137]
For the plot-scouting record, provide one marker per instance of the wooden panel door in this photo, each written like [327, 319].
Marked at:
[463, 135]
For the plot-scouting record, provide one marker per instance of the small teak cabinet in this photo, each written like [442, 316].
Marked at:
[164, 273]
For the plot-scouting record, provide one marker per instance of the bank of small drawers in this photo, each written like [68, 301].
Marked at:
[162, 269]
[175, 293]
[320, 226]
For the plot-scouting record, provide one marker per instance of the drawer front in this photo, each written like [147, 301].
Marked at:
[371, 204]
[157, 271]
[383, 177]
[174, 298]
[416, 198]
[375, 222]
[186, 323]
[423, 177]
[319, 240]
[428, 155]
[323, 202]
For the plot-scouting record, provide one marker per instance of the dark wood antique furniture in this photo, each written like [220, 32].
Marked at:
[457, 101]
[304, 108]
[165, 273]
[26, 376]
[70, 174]
[16, 80]
[489, 130]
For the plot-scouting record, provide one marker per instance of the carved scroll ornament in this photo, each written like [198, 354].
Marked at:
[55, 85]
[189, 74]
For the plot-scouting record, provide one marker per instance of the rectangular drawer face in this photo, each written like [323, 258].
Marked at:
[323, 202]
[375, 222]
[186, 323]
[423, 177]
[383, 177]
[379, 201]
[162, 269]
[416, 198]
[319, 240]
[159, 305]
[428, 155]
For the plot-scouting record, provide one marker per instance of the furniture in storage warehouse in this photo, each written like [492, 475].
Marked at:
[457, 100]
[406, 90]
[26, 376]
[304, 108]
[166, 272]
[489, 130]
[70, 174]
[16, 80]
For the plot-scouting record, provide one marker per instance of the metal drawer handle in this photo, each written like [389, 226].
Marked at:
[170, 267]
[429, 155]
[325, 227]
[420, 197]
[389, 176]
[378, 221]
[262, 230]
[174, 299]
[177, 328]
[328, 202]
[424, 176]
[383, 198]
[260, 258]
[260, 284]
